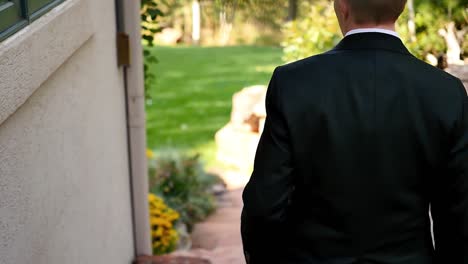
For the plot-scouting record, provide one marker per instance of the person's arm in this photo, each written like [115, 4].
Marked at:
[266, 196]
[450, 206]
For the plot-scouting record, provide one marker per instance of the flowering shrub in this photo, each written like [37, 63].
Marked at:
[184, 184]
[162, 220]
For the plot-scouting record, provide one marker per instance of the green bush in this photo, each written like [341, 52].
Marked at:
[183, 183]
[315, 32]
[428, 21]
[430, 17]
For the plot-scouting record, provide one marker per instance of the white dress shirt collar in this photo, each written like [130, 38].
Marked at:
[372, 30]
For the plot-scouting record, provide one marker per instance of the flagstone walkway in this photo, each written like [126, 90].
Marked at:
[218, 238]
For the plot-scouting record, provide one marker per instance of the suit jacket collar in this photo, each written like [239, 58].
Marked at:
[367, 30]
[372, 40]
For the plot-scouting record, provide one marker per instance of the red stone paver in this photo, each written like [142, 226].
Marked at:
[218, 238]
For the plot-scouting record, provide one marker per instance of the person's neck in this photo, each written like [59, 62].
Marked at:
[379, 26]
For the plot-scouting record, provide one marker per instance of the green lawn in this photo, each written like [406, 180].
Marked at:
[193, 91]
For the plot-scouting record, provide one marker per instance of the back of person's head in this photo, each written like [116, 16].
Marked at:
[374, 11]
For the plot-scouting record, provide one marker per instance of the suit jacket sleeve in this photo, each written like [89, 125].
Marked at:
[450, 206]
[267, 195]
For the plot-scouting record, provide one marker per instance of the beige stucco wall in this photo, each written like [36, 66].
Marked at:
[64, 184]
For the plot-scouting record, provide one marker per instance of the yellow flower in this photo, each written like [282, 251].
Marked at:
[162, 220]
[152, 198]
[150, 154]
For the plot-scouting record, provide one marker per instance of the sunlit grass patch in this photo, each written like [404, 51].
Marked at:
[192, 93]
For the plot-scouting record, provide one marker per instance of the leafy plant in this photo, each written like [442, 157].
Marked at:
[150, 12]
[162, 220]
[182, 182]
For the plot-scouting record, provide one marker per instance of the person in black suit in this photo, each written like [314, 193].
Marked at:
[360, 144]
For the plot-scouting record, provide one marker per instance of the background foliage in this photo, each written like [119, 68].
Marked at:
[431, 16]
[315, 31]
[308, 26]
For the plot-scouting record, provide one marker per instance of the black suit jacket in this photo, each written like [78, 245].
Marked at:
[359, 144]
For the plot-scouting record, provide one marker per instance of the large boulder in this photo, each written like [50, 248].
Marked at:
[236, 147]
[237, 141]
[248, 107]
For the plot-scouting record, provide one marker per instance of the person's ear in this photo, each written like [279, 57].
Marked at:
[341, 9]
[344, 9]
[340, 14]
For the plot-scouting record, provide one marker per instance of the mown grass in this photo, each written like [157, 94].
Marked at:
[192, 93]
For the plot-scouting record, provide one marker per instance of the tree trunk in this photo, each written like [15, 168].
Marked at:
[292, 10]
[187, 25]
[227, 15]
[225, 28]
[453, 46]
[411, 23]
[196, 22]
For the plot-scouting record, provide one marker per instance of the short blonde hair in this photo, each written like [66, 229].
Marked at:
[376, 11]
